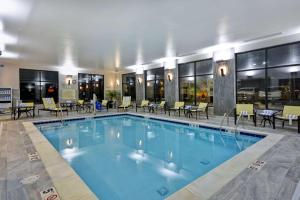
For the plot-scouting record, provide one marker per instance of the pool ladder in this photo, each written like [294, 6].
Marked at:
[235, 132]
[61, 116]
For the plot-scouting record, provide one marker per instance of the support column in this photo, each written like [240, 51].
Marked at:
[171, 84]
[140, 88]
[224, 86]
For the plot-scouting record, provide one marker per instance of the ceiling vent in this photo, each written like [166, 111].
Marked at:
[263, 37]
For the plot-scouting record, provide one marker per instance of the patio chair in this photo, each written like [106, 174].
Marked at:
[203, 107]
[104, 103]
[126, 103]
[162, 106]
[245, 110]
[144, 104]
[289, 113]
[49, 105]
[26, 108]
[179, 105]
[79, 105]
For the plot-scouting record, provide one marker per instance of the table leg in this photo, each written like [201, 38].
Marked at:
[19, 113]
[15, 112]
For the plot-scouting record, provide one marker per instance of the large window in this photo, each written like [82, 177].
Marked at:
[128, 85]
[155, 84]
[196, 82]
[36, 84]
[90, 84]
[270, 77]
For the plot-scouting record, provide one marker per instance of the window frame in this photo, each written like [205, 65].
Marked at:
[128, 83]
[266, 67]
[90, 75]
[39, 72]
[154, 85]
[194, 76]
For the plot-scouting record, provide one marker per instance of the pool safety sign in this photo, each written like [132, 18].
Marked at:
[257, 165]
[49, 194]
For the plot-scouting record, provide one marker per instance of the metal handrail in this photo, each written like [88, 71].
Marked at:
[226, 116]
[61, 115]
[236, 131]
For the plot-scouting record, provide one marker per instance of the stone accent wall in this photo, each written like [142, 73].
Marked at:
[171, 87]
[224, 88]
[140, 88]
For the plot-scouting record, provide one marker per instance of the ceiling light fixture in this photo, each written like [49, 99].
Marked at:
[1, 26]
[2, 47]
[139, 69]
[7, 39]
[12, 7]
[7, 54]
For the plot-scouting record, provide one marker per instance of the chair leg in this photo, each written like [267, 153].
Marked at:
[273, 122]
[298, 124]
[282, 123]
[235, 117]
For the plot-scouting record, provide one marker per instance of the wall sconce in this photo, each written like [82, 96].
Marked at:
[170, 76]
[223, 68]
[140, 80]
[118, 82]
[69, 79]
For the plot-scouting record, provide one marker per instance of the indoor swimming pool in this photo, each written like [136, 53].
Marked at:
[126, 157]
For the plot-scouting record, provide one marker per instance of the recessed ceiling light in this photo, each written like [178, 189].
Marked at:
[2, 47]
[7, 54]
[1, 26]
[11, 7]
[7, 39]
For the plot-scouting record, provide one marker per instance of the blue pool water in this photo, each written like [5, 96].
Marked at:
[128, 158]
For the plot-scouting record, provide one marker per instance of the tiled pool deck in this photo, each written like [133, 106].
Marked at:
[231, 180]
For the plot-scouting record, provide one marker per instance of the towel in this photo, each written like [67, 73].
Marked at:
[188, 107]
[245, 113]
[291, 117]
[268, 112]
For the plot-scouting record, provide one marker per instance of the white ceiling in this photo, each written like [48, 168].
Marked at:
[119, 33]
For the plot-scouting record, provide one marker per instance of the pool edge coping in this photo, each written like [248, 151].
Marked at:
[201, 188]
[66, 181]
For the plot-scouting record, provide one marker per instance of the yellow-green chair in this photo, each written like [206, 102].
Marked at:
[144, 104]
[245, 110]
[104, 103]
[49, 105]
[80, 105]
[289, 113]
[203, 107]
[126, 103]
[179, 105]
[24, 108]
[162, 106]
